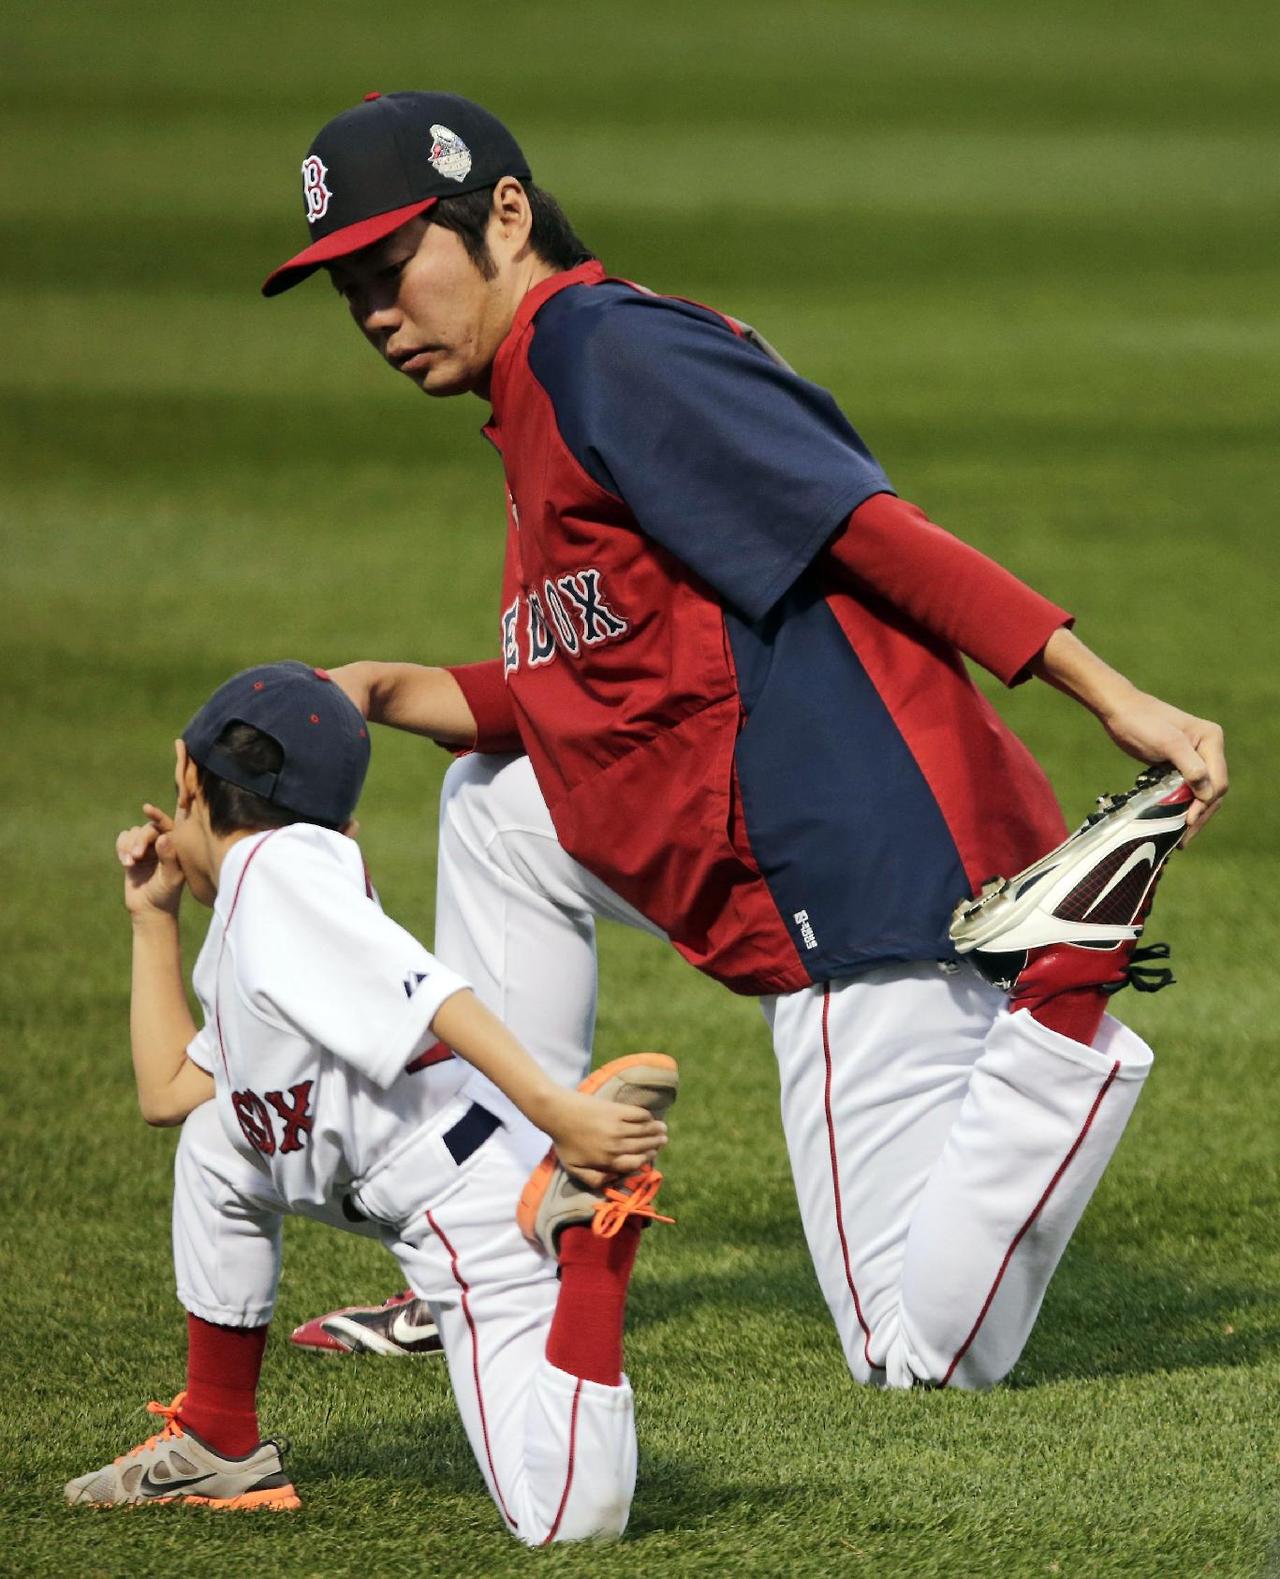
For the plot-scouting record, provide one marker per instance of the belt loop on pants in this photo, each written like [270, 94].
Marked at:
[470, 1132]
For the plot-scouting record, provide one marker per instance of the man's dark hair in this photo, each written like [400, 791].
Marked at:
[553, 238]
[232, 809]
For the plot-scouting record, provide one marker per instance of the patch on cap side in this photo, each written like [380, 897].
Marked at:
[449, 154]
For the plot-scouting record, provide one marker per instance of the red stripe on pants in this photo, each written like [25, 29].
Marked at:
[475, 1363]
[568, 1479]
[1035, 1212]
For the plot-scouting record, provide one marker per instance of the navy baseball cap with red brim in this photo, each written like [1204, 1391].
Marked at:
[323, 740]
[389, 159]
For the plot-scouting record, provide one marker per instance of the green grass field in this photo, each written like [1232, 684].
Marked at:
[1033, 252]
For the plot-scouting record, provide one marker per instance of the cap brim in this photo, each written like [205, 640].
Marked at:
[341, 244]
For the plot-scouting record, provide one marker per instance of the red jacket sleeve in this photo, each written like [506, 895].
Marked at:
[944, 585]
[490, 702]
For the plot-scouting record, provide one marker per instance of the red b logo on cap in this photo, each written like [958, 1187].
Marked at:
[314, 190]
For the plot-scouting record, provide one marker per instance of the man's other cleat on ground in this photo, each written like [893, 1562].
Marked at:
[1072, 918]
[554, 1200]
[401, 1328]
[175, 1466]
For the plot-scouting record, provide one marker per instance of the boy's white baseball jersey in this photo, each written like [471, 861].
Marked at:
[314, 1002]
[943, 1149]
[317, 1018]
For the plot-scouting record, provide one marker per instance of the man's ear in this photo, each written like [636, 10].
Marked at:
[186, 777]
[511, 216]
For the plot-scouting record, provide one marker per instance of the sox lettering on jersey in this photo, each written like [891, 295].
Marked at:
[549, 629]
[297, 1121]
[541, 643]
[255, 1119]
[559, 618]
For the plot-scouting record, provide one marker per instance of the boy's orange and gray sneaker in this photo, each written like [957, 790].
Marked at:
[400, 1328]
[1073, 918]
[554, 1200]
[176, 1466]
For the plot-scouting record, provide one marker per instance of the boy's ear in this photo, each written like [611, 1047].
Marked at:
[186, 778]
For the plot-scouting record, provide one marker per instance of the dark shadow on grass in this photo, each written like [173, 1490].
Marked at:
[1110, 1318]
[139, 252]
[1101, 1317]
[673, 1493]
[316, 434]
[679, 1495]
[788, 1291]
[430, 1449]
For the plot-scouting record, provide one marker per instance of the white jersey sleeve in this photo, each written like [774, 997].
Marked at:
[202, 1049]
[318, 955]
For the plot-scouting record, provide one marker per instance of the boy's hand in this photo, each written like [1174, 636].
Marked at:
[598, 1140]
[153, 879]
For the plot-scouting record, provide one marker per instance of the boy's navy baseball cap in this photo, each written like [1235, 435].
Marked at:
[314, 722]
[396, 155]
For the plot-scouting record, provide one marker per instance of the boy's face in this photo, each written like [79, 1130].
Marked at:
[427, 309]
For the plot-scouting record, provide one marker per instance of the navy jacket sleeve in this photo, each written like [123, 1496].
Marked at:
[741, 468]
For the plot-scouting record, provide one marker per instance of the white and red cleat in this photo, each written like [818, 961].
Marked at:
[400, 1328]
[1073, 918]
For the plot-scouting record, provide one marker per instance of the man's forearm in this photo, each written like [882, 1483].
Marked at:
[413, 697]
[160, 1024]
[1141, 724]
[465, 707]
[1068, 665]
[945, 585]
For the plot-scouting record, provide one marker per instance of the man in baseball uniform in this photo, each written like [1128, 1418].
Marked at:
[325, 1082]
[731, 707]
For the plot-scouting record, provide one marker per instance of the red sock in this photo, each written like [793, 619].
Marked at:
[586, 1331]
[221, 1405]
[1077, 1013]
[1063, 987]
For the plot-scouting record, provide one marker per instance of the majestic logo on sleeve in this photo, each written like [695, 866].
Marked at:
[449, 154]
[565, 615]
[316, 193]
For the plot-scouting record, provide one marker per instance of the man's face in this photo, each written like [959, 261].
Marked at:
[426, 308]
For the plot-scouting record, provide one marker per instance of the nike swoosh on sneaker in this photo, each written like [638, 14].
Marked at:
[166, 1488]
[407, 1332]
[1144, 852]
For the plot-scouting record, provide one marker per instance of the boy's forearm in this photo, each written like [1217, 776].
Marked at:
[421, 700]
[160, 1024]
[463, 1023]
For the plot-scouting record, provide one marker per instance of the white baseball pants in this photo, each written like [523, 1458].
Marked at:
[557, 1453]
[943, 1149]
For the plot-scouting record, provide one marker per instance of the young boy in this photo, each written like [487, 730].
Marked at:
[326, 1049]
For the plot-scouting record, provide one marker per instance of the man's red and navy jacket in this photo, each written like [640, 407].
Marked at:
[733, 654]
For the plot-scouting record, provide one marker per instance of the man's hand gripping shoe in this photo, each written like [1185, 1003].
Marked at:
[1073, 918]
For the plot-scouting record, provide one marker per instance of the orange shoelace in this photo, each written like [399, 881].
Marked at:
[635, 1199]
[169, 1413]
